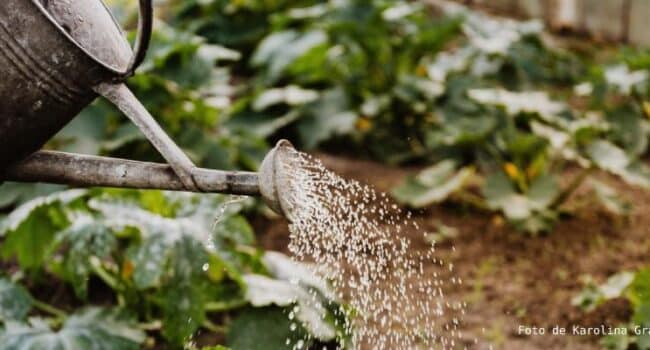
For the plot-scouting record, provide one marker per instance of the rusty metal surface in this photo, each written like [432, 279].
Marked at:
[52, 54]
[89, 171]
[123, 99]
[57, 55]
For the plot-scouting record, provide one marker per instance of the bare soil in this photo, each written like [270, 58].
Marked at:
[511, 278]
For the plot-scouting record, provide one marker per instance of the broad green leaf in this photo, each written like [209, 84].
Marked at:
[86, 238]
[30, 230]
[15, 301]
[529, 210]
[516, 103]
[616, 284]
[432, 185]
[284, 268]
[593, 295]
[617, 342]
[291, 95]
[264, 291]
[609, 198]
[542, 192]
[610, 157]
[148, 259]
[262, 124]
[639, 292]
[280, 49]
[326, 117]
[183, 311]
[621, 78]
[16, 193]
[267, 328]
[630, 129]
[91, 328]
[183, 293]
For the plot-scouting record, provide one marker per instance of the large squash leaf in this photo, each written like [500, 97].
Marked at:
[91, 328]
[267, 328]
[29, 230]
[15, 301]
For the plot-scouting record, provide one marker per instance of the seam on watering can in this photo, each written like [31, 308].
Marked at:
[24, 72]
[26, 76]
[48, 84]
[61, 82]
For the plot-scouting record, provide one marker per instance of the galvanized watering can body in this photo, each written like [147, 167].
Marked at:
[48, 77]
[57, 56]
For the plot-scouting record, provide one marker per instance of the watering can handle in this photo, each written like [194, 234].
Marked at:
[143, 38]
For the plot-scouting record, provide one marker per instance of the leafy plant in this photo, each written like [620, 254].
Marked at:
[161, 255]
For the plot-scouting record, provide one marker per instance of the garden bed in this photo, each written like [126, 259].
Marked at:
[512, 279]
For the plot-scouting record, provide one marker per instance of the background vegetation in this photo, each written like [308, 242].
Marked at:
[492, 111]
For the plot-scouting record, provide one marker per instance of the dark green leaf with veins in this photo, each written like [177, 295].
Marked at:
[92, 328]
[15, 301]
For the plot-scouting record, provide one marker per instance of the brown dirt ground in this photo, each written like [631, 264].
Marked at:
[512, 279]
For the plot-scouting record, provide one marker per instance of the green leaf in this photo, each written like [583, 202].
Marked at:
[267, 328]
[148, 259]
[326, 117]
[183, 311]
[291, 95]
[639, 295]
[184, 293]
[264, 291]
[91, 328]
[30, 229]
[529, 211]
[15, 301]
[16, 193]
[432, 185]
[86, 238]
[542, 192]
[610, 157]
[284, 268]
[617, 342]
[281, 49]
[609, 198]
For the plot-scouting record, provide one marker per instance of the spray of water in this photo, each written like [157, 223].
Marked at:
[355, 238]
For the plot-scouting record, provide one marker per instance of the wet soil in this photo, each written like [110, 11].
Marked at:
[511, 279]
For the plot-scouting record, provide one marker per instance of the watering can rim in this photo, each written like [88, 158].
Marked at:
[144, 36]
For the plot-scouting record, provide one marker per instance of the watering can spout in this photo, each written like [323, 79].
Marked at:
[93, 171]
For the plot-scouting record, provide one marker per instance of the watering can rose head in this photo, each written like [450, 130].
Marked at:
[275, 179]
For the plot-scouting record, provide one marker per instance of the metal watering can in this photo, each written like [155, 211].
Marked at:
[57, 56]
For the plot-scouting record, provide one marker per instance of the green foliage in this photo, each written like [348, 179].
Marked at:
[162, 256]
[636, 288]
[91, 328]
[432, 185]
[15, 301]
[593, 295]
[245, 332]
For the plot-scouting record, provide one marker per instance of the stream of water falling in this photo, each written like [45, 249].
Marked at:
[356, 238]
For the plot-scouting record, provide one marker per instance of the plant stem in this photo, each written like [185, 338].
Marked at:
[572, 187]
[104, 275]
[209, 325]
[47, 308]
[473, 199]
[220, 306]
[151, 326]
